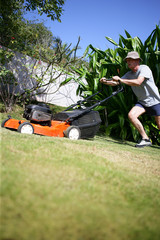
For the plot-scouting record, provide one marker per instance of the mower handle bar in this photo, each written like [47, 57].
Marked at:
[82, 101]
[120, 89]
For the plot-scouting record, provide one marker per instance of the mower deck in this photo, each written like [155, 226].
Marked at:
[56, 129]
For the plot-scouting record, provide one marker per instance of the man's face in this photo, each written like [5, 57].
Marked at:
[133, 64]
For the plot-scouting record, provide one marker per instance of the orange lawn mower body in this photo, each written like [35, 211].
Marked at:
[56, 128]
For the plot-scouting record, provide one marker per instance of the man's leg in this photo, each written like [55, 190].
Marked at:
[157, 118]
[133, 115]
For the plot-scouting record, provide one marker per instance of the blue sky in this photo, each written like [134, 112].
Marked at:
[93, 20]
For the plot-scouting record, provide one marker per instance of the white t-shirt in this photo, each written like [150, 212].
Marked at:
[147, 93]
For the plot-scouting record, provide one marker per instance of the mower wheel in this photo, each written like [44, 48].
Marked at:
[4, 121]
[26, 128]
[73, 133]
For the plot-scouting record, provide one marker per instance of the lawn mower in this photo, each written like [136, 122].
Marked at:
[75, 122]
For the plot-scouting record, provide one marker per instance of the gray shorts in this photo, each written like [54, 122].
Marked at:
[152, 111]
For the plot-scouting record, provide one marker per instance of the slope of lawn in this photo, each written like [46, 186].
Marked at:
[55, 188]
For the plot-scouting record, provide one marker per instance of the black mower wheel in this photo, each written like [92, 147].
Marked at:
[26, 128]
[73, 133]
[4, 121]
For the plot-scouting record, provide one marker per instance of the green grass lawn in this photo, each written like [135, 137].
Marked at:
[58, 189]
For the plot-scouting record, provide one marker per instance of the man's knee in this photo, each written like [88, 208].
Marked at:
[131, 116]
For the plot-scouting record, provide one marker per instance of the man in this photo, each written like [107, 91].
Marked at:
[141, 80]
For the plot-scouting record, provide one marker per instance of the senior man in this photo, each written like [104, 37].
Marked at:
[141, 80]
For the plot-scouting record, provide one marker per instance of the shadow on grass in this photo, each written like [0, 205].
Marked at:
[121, 142]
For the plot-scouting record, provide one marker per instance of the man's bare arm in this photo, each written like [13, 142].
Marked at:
[130, 82]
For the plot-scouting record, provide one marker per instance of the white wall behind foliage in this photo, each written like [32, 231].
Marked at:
[26, 68]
